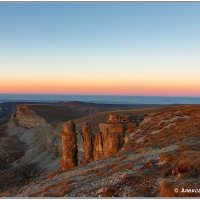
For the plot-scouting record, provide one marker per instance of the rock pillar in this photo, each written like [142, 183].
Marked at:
[87, 143]
[69, 147]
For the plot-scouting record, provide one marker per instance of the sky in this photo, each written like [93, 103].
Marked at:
[101, 48]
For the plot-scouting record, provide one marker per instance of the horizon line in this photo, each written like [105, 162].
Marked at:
[114, 95]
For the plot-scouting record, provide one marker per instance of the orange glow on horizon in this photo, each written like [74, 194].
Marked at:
[151, 89]
[100, 85]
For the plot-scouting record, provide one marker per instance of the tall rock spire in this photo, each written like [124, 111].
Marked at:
[87, 143]
[69, 147]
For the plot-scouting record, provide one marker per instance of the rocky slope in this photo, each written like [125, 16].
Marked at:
[159, 158]
[30, 142]
[42, 145]
[29, 148]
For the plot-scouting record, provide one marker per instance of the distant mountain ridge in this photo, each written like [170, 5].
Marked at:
[100, 99]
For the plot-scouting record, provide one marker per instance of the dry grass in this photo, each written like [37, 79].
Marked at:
[58, 190]
[123, 157]
[5, 194]
[175, 188]
[17, 176]
[50, 175]
[184, 126]
[183, 171]
[165, 158]
[128, 166]
[167, 190]
[141, 184]
[100, 171]
[181, 167]
[109, 191]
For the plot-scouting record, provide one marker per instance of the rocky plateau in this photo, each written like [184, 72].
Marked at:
[100, 152]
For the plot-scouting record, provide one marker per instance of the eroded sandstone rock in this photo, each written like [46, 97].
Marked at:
[104, 144]
[130, 126]
[27, 118]
[110, 138]
[98, 152]
[108, 141]
[87, 142]
[69, 146]
[113, 118]
[124, 118]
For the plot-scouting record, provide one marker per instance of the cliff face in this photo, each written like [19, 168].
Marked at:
[27, 118]
[42, 143]
[110, 139]
[103, 145]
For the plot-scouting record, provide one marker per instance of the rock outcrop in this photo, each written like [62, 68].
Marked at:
[110, 139]
[113, 118]
[104, 144]
[69, 147]
[27, 118]
[130, 127]
[166, 157]
[87, 143]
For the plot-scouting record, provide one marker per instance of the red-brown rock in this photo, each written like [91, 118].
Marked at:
[27, 118]
[69, 147]
[113, 118]
[124, 118]
[87, 143]
[130, 127]
[108, 141]
[98, 152]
